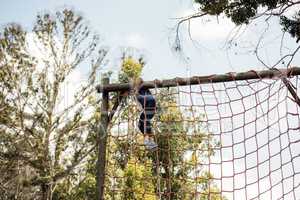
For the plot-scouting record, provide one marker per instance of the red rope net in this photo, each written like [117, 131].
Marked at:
[235, 140]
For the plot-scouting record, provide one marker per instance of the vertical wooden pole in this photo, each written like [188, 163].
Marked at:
[102, 142]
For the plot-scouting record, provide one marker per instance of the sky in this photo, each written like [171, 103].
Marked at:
[149, 27]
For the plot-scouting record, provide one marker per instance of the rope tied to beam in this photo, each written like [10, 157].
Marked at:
[195, 80]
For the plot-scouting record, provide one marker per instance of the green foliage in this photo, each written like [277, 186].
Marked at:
[242, 11]
[213, 193]
[78, 186]
[135, 185]
[131, 69]
[209, 190]
[213, 7]
[41, 142]
[292, 26]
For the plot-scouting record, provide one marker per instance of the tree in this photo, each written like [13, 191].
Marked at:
[71, 188]
[241, 12]
[42, 140]
[244, 12]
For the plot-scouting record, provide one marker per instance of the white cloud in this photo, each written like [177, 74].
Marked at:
[135, 40]
[187, 12]
[209, 28]
[291, 11]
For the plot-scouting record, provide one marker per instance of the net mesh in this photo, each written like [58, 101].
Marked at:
[235, 140]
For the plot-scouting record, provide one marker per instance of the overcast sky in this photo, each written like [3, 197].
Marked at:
[148, 26]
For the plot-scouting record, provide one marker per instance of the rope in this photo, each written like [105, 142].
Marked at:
[235, 140]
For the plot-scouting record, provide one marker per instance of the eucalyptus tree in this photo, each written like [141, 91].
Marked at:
[45, 124]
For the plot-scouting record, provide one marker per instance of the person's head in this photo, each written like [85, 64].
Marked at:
[138, 81]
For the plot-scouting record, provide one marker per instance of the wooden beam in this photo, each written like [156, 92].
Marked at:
[195, 80]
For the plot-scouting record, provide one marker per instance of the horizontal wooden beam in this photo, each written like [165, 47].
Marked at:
[195, 80]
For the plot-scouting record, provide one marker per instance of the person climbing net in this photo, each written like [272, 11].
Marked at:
[131, 72]
[147, 104]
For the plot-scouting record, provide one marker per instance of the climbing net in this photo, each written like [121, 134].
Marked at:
[229, 140]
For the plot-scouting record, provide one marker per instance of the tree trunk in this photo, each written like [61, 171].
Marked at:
[46, 190]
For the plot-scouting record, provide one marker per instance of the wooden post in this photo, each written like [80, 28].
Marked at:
[102, 142]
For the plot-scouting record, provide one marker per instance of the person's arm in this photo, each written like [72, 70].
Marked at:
[123, 94]
[136, 87]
